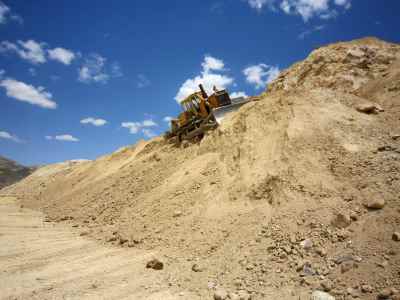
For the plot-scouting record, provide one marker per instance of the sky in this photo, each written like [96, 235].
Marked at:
[78, 80]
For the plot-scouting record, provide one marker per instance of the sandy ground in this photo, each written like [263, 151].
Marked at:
[40, 260]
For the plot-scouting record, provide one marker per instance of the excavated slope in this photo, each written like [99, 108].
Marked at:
[274, 201]
[11, 172]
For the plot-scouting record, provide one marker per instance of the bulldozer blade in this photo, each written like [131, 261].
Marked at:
[221, 112]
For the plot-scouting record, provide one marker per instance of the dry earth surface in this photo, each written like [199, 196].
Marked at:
[296, 193]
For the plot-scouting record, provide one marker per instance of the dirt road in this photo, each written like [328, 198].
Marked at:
[40, 260]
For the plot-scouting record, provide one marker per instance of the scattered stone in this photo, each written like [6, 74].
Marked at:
[111, 239]
[341, 220]
[321, 252]
[83, 233]
[346, 266]
[177, 214]
[327, 285]
[396, 136]
[367, 108]
[220, 294]
[354, 216]
[384, 294]
[307, 244]
[352, 292]
[365, 288]
[197, 268]
[318, 295]
[155, 264]
[122, 240]
[377, 203]
[396, 236]
[233, 296]
[244, 295]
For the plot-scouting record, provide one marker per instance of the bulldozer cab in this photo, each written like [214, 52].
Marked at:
[195, 105]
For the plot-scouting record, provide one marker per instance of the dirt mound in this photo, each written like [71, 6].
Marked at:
[11, 172]
[295, 192]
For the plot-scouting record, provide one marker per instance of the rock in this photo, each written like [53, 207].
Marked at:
[346, 266]
[307, 244]
[367, 108]
[365, 288]
[353, 292]
[177, 214]
[155, 264]
[111, 239]
[318, 295]
[233, 296]
[220, 294]
[384, 294]
[327, 285]
[244, 295]
[197, 268]
[395, 136]
[321, 252]
[377, 203]
[83, 233]
[341, 220]
[396, 236]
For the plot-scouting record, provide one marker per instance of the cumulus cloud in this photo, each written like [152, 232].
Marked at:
[142, 81]
[28, 93]
[167, 119]
[208, 78]
[95, 70]
[61, 55]
[212, 63]
[94, 121]
[30, 50]
[260, 75]
[8, 136]
[307, 9]
[144, 127]
[62, 137]
[5, 14]
[238, 95]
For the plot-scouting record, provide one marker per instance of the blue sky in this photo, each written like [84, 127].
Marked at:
[79, 80]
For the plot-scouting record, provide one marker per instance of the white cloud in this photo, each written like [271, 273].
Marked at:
[62, 137]
[5, 14]
[260, 75]
[135, 127]
[142, 81]
[308, 32]
[238, 95]
[28, 93]
[212, 63]
[94, 122]
[207, 78]
[61, 55]
[148, 133]
[345, 3]
[307, 9]
[30, 50]
[95, 69]
[259, 4]
[116, 70]
[9, 136]
[32, 71]
[167, 119]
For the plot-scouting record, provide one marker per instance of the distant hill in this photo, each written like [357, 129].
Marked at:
[11, 172]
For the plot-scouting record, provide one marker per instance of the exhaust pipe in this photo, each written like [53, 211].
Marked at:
[203, 92]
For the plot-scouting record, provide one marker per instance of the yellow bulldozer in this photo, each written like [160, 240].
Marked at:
[201, 113]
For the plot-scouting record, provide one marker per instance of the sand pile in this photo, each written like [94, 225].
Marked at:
[295, 192]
